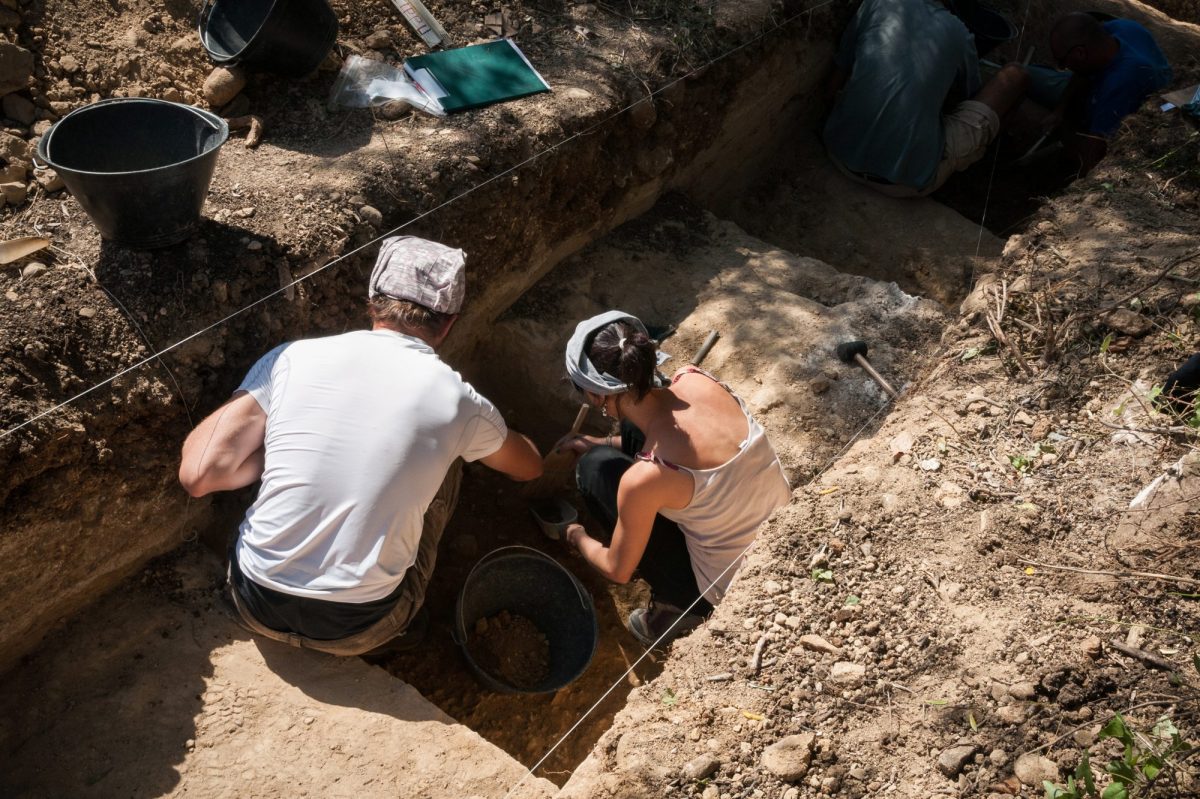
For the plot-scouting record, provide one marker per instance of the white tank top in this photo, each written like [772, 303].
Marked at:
[728, 504]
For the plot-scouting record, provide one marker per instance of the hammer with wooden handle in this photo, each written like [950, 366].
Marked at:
[856, 352]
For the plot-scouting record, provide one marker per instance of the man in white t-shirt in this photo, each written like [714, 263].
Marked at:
[357, 439]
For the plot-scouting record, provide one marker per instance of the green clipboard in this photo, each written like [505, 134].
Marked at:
[475, 76]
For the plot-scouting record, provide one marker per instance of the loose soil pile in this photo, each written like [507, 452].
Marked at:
[512, 648]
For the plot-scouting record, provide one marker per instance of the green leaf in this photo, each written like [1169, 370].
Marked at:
[970, 354]
[1083, 772]
[1122, 771]
[1115, 728]
[822, 575]
[1154, 392]
[1019, 462]
[851, 601]
[1115, 790]
[668, 698]
[1151, 770]
[1104, 345]
[1053, 791]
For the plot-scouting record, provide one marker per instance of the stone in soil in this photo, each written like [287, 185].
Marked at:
[818, 644]
[1033, 769]
[16, 67]
[19, 109]
[222, 85]
[955, 759]
[847, 675]
[701, 768]
[789, 758]
[512, 648]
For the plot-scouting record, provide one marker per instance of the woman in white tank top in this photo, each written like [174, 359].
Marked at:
[681, 494]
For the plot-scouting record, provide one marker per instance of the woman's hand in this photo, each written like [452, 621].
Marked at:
[572, 535]
[579, 444]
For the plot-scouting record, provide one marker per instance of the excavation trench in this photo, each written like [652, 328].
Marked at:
[780, 316]
[761, 241]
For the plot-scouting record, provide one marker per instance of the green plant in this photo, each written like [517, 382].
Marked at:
[1143, 759]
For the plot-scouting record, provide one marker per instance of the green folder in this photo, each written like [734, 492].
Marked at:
[475, 76]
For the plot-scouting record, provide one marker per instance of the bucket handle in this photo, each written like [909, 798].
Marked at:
[202, 20]
[583, 597]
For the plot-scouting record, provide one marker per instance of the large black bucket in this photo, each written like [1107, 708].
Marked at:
[286, 37]
[990, 28]
[139, 167]
[527, 583]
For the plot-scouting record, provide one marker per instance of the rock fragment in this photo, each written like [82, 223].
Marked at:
[955, 759]
[1033, 769]
[701, 768]
[19, 109]
[16, 67]
[1128, 322]
[789, 758]
[371, 215]
[818, 644]
[222, 85]
[847, 675]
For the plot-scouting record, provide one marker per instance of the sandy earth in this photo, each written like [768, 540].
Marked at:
[953, 651]
[156, 692]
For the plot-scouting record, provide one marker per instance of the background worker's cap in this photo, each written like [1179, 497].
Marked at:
[420, 271]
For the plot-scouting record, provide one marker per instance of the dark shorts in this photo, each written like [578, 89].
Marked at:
[666, 564]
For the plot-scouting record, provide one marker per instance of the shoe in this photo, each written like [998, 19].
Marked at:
[659, 624]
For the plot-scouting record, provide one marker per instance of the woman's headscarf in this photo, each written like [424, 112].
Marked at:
[581, 370]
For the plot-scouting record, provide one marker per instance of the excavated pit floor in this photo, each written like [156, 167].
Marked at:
[198, 708]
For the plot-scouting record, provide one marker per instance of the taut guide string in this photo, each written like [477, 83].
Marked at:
[154, 355]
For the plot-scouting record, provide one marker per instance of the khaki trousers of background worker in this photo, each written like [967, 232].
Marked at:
[412, 595]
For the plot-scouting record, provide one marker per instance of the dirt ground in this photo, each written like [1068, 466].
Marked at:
[949, 610]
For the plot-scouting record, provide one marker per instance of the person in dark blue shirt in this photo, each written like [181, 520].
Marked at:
[1114, 66]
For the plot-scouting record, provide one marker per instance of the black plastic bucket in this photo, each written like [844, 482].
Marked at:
[527, 583]
[140, 168]
[990, 28]
[286, 37]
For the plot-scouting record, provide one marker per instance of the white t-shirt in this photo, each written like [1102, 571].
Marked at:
[361, 430]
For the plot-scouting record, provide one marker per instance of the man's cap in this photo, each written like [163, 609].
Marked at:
[420, 271]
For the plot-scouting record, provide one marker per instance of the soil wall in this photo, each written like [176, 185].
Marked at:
[89, 493]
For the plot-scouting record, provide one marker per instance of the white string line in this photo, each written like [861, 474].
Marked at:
[577, 135]
[736, 561]
[987, 199]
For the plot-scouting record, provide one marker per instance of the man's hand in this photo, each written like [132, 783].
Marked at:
[225, 451]
[517, 457]
[579, 444]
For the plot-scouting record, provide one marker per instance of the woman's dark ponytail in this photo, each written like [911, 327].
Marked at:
[627, 354]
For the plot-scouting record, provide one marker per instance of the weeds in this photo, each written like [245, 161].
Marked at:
[1156, 759]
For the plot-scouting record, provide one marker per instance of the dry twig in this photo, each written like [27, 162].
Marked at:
[1149, 658]
[994, 319]
[1125, 574]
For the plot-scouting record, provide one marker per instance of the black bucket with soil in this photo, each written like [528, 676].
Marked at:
[139, 167]
[524, 623]
[285, 37]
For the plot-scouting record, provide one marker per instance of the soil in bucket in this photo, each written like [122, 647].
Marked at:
[512, 648]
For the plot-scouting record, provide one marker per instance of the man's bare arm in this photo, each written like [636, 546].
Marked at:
[517, 457]
[225, 451]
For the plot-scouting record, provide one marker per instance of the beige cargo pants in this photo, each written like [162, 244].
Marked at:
[412, 595]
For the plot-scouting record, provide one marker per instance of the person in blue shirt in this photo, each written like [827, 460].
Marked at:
[1113, 67]
[898, 64]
